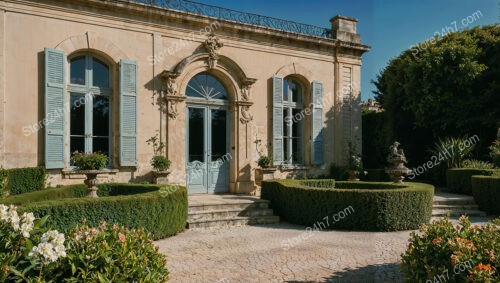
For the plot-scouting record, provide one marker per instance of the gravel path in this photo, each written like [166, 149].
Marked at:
[283, 253]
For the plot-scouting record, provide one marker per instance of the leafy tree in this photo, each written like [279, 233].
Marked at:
[452, 88]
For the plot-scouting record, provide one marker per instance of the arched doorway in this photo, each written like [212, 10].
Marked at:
[207, 135]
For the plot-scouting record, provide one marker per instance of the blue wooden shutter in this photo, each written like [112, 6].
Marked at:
[277, 120]
[128, 113]
[55, 118]
[317, 123]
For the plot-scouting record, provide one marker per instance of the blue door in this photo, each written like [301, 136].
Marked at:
[208, 156]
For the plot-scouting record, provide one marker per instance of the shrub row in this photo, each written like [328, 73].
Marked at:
[486, 192]
[22, 180]
[131, 205]
[377, 206]
[458, 180]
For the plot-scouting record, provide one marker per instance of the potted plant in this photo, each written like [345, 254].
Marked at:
[90, 164]
[159, 162]
[265, 172]
[354, 166]
[264, 161]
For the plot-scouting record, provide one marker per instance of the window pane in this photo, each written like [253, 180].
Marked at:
[296, 126]
[101, 145]
[77, 70]
[219, 133]
[77, 114]
[296, 92]
[100, 73]
[196, 134]
[285, 90]
[206, 86]
[101, 116]
[286, 122]
[296, 151]
[77, 144]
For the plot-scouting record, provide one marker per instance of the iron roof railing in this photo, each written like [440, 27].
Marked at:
[238, 16]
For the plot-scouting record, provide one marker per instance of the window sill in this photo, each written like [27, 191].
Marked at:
[293, 167]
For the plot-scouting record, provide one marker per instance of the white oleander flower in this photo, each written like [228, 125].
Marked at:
[51, 248]
[4, 213]
[27, 224]
[28, 218]
[26, 229]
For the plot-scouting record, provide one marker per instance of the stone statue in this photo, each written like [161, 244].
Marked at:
[397, 159]
[396, 153]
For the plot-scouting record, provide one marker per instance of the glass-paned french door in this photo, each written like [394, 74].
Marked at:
[89, 102]
[207, 146]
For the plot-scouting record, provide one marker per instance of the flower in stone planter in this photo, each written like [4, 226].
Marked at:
[89, 161]
[265, 161]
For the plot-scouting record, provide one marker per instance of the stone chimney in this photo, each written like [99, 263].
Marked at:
[344, 29]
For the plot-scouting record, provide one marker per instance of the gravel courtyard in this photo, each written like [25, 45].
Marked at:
[283, 253]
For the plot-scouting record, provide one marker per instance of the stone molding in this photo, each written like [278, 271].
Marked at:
[90, 40]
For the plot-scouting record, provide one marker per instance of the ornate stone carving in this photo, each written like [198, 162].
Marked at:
[246, 117]
[172, 96]
[212, 45]
[245, 93]
[245, 103]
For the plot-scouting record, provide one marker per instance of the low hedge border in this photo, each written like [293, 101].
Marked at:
[377, 206]
[486, 192]
[22, 180]
[458, 180]
[130, 205]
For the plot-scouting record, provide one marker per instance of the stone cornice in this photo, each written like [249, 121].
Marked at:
[162, 17]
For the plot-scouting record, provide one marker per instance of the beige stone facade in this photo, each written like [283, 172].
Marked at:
[169, 48]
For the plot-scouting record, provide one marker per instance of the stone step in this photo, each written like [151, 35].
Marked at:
[459, 212]
[456, 207]
[454, 201]
[233, 221]
[229, 206]
[228, 213]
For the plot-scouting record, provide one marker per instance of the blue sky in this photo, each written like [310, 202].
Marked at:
[389, 26]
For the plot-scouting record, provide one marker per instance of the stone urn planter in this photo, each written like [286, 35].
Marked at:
[91, 181]
[353, 175]
[265, 173]
[160, 176]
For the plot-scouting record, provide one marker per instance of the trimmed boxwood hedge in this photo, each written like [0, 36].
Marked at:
[486, 192]
[24, 180]
[377, 206]
[458, 180]
[130, 205]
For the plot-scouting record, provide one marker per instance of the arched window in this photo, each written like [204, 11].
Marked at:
[293, 121]
[89, 92]
[206, 86]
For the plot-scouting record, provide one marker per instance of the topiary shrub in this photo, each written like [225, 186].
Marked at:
[24, 180]
[130, 205]
[440, 252]
[377, 206]
[458, 179]
[486, 192]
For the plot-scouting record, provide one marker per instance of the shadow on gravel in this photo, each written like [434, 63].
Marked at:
[379, 273]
